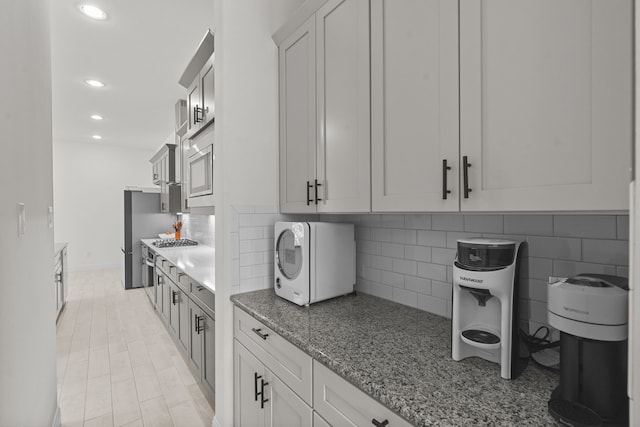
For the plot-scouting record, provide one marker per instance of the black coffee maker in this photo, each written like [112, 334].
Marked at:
[591, 313]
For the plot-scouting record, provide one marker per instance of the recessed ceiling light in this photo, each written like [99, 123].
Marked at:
[94, 83]
[93, 12]
[96, 117]
[96, 137]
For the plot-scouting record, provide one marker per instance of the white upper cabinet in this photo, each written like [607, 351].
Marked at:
[545, 104]
[297, 57]
[344, 142]
[325, 111]
[414, 105]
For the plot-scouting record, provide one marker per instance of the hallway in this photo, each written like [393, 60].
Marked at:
[117, 365]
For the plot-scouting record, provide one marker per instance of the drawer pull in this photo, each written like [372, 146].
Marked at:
[378, 423]
[259, 333]
[174, 294]
[199, 287]
[198, 327]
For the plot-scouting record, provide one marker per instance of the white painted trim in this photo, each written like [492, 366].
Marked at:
[215, 422]
[300, 16]
[57, 420]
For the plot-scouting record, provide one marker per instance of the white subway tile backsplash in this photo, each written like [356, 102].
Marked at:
[392, 221]
[538, 290]
[606, 251]
[382, 262]
[592, 226]
[246, 246]
[368, 247]
[234, 245]
[405, 266]
[392, 279]
[363, 286]
[417, 253]
[262, 245]
[540, 268]
[532, 225]
[433, 305]
[251, 233]
[443, 256]
[402, 296]
[394, 250]
[555, 248]
[484, 223]
[442, 290]
[372, 274]
[407, 237]
[251, 258]
[363, 233]
[418, 284]
[432, 271]
[382, 291]
[436, 239]
[538, 311]
[381, 234]
[447, 222]
[418, 222]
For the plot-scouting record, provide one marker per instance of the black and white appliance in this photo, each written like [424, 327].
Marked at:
[314, 261]
[142, 219]
[590, 310]
[485, 320]
[200, 171]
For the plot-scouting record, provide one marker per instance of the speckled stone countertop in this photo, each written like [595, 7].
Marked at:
[402, 357]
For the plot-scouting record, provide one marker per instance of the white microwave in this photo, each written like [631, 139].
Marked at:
[314, 261]
[200, 173]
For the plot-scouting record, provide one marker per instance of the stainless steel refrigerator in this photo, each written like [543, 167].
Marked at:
[142, 220]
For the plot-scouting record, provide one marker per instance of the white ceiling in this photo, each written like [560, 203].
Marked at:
[140, 52]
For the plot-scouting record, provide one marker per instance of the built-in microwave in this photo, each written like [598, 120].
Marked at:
[200, 170]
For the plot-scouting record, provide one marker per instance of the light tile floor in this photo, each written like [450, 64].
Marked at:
[117, 365]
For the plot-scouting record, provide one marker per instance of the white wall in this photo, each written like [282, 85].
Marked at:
[246, 136]
[27, 306]
[89, 180]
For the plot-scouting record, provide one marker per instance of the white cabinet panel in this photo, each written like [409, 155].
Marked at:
[246, 370]
[297, 57]
[414, 105]
[342, 404]
[545, 90]
[286, 409]
[343, 106]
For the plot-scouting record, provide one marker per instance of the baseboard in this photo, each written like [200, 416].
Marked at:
[57, 421]
[215, 422]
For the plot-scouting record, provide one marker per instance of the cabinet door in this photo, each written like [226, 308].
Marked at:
[414, 105]
[344, 143]
[285, 407]
[247, 374]
[174, 309]
[184, 331]
[193, 107]
[297, 58]
[207, 92]
[166, 298]
[158, 279]
[545, 97]
[318, 421]
[209, 353]
[196, 318]
[342, 404]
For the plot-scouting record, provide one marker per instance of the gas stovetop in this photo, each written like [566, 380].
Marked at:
[171, 243]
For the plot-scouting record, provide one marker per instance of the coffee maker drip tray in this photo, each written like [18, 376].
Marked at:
[481, 339]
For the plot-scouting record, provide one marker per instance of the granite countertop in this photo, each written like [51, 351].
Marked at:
[58, 246]
[401, 357]
[197, 262]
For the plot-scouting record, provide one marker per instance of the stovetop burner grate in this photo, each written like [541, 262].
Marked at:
[171, 243]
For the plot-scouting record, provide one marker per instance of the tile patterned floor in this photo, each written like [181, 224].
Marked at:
[117, 365]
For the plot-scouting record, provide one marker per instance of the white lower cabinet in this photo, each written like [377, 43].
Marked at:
[318, 421]
[261, 398]
[277, 384]
[342, 404]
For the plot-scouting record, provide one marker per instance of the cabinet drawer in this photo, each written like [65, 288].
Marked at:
[292, 365]
[204, 295]
[343, 404]
[182, 280]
